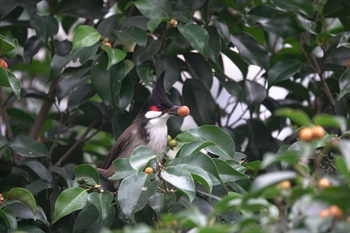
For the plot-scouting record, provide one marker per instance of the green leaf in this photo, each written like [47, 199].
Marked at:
[133, 34]
[141, 157]
[134, 192]
[199, 68]
[255, 93]
[201, 160]
[9, 219]
[275, 21]
[144, 53]
[86, 171]
[7, 46]
[24, 196]
[272, 178]
[40, 169]
[123, 169]
[181, 179]
[85, 36]
[197, 36]
[45, 26]
[297, 116]
[331, 120]
[70, 200]
[193, 147]
[154, 9]
[301, 6]
[28, 147]
[7, 79]
[290, 157]
[344, 147]
[233, 88]
[344, 84]
[4, 79]
[342, 167]
[227, 173]
[283, 70]
[199, 99]
[87, 220]
[114, 55]
[213, 134]
[250, 50]
[198, 174]
[101, 201]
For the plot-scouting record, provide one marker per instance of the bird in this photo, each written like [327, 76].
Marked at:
[149, 128]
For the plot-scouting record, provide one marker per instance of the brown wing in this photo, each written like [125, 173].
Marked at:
[119, 146]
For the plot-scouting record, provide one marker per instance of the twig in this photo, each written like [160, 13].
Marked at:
[76, 144]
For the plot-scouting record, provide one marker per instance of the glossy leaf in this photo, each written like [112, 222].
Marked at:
[85, 36]
[8, 79]
[24, 196]
[201, 160]
[193, 147]
[86, 171]
[144, 53]
[227, 173]
[211, 134]
[102, 202]
[31, 47]
[329, 120]
[272, 178]
[283, 70]
[28, 147]
[87, 220]
[141, 157]
[7, 46]
[154, 9]
[303, 7]
[199, 68]
[8, 218]
[199, 100]
[198, 174]
[181, 179]
[114, 55]
[133, 34]
[134, 192]
[39, 169]
[297, 116]
[344, 84]
[255, 93]
[45, 26]
[197, 36]
[123, 169]
[68, 201]
[250, 50]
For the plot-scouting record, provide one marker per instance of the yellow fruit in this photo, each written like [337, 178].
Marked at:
[183, 111]
[306, 134]
[324, 183]
[148, 170]
[325, 213]
[284, 184]
[169, 138]
[172, 143]
[3, 63]
[318, 132]
[336, 212]
[174, 22]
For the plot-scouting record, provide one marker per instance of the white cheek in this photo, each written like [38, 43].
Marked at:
[153, 114]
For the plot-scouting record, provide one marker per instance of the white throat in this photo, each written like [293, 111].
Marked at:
[158, 134]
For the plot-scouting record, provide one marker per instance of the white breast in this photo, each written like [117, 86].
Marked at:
[158, 134]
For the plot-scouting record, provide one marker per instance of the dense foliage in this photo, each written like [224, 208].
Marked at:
[254, 73]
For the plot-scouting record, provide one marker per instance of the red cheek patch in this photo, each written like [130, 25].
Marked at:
[154, 108]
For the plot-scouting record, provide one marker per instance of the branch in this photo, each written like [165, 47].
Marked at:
[76, 144]
[44, 111]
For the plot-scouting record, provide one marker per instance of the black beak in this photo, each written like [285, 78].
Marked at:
[172, 111]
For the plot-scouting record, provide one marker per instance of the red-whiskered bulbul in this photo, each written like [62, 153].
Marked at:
[149, 128]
